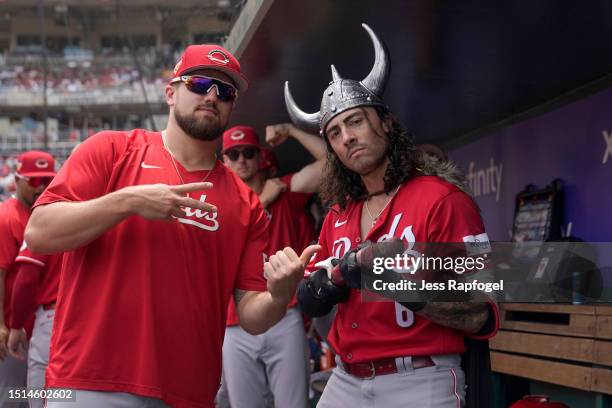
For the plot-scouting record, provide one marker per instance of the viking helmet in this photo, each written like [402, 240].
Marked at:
[344, 94]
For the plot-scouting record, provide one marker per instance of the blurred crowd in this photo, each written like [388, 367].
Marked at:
[68, 79]
[74, 76]
[7, 180]
[81, 78]
[27, 133]
[108, 69]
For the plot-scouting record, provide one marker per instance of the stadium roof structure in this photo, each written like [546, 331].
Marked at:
[100, 9]
[126, 3]
[459, 68]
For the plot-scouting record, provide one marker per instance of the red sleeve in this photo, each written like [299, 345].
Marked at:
[453, 218]
[87, 172]
[8, 245]
[23, 302]
[250, 272]
[25, 256]
[298, 199]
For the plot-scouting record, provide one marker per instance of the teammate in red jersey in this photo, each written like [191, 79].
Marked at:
[160, 236]
[34, 171]
[34, 293]
[276, 358]
[389, 354]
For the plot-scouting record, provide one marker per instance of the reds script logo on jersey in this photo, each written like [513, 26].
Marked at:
[404, 318]
[204, 220]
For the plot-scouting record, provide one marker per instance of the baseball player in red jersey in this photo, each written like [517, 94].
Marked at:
[34, 293]
[34, 171]
[389, 354]
[276, 358]
[160, 235]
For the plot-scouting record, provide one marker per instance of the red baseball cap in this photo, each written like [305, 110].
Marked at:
[210, 56]
[268, 159]
[240, 136]
[35, 164]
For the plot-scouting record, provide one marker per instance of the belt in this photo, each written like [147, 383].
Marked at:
[371, 369]
[49, 306]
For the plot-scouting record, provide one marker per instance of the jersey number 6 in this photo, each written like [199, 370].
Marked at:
[403, 316]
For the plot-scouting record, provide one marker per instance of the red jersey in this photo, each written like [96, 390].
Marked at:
[425, 209]
[142, 308]
[286, 215]
[13, 219]
[51, 266]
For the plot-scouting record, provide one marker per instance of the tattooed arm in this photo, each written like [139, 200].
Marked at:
[469, 317]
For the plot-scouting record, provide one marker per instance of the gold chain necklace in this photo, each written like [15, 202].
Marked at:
[163, 136]
[374, 219]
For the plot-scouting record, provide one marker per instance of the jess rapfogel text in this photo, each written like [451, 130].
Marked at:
[451, 284]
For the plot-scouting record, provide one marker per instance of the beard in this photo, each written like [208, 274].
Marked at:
[365, 166]
[205, 129]
[247, 176]
[375, 156]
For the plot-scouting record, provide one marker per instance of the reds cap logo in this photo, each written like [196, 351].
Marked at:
[41, 163]
[178, 65]
[237, 135]
[218, 57]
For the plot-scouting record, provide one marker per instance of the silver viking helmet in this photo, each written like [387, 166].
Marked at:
[344, 94]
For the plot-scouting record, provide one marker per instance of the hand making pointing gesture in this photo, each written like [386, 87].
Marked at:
[163, 202]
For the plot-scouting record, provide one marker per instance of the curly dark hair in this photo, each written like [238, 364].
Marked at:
[340, 184]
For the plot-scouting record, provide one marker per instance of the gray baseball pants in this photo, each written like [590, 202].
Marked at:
[38, 352]
[102, 399]
[276, 359]
[440, 386]
[12, 375]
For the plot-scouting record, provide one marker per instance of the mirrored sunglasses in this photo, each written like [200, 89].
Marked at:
[201, 85]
